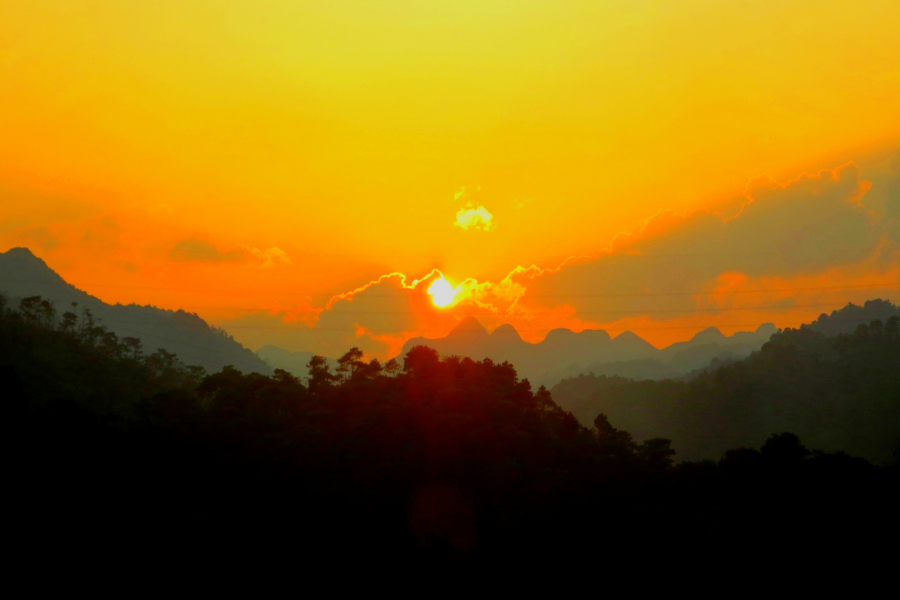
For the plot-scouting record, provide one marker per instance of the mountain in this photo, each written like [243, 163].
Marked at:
[840, 393]
[22, 274]
[712, 343]
[279, 358]
[847, 319]
[565, 353]
[292, 362]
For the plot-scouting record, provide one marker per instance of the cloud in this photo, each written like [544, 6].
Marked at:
[814, 224]
[379, 316]
[300, 312]
[471, 218]
[375, 317]
[800, 243]
[892, 206]
[199, 250]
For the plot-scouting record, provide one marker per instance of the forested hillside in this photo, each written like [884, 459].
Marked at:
[847, 319]
[24, 275]
[836, 392]
[447, 462]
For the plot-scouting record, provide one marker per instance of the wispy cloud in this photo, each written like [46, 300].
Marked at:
[199, 250]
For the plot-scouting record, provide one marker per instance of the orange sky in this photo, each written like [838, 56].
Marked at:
[250, 160]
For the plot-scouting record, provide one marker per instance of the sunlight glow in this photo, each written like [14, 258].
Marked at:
[442, 292]
[474, 219]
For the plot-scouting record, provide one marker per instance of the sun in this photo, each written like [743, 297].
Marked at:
[442, 292]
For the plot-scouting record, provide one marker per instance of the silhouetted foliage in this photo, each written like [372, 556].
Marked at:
[446, 460]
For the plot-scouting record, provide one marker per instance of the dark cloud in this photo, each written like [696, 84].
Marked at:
[197, 250]
[805, 226]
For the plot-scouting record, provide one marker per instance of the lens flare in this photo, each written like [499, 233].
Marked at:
[442, 292]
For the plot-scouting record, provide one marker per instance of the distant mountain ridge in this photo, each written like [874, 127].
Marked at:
[294, 362]
[842, 392]
[565, 353]
[847, 319]
[22, 274]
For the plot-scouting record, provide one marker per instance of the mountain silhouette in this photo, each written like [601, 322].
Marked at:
[565, 353]
[294, 362]
[847, 319]
[801, 380]
[468, 329]
[22, 274]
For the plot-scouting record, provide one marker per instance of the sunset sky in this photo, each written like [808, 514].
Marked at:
[301, 173]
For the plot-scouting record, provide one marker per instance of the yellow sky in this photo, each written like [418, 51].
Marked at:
[343, 133]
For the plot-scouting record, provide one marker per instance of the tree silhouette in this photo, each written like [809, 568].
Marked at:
[450, 461]
[350, 363]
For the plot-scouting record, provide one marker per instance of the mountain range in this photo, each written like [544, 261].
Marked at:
[565, 353]
[838, 390]
[22, 274]
[561, 354]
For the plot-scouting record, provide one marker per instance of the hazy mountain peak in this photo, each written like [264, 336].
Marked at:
[468, 327]
[22, 274]
[270, 348]
[506, 332]
[710, 334]
[766, 329]
[22, 263]
[595, 334]
[628, 336]
[562, 334]
[21, 251]
[558, 334]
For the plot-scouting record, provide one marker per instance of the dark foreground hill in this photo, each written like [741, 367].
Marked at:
[24, 275]
[447, 463]
[836, 392]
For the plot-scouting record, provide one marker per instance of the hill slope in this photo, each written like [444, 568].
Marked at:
[22, 274]
[837, 392]
[450, 463]
[847, 319]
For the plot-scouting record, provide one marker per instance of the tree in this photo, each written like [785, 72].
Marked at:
[320, 375]
[784, 448]
[37, 310]
[350, 363]
[133, 344]
[611, 439]
[421, 360]
[284, 378]
[892, 328]
[657, 453]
